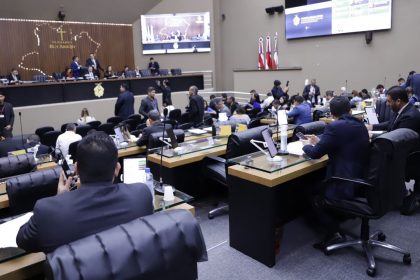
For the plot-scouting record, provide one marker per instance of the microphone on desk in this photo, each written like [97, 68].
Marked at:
[21, 128]
[165, 114]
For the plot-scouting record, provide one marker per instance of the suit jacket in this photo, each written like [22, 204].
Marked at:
[11, 80]
[346, 142]
[147, 105]
[9, 115]
[89, 62]
[124, 106]
[92, 208]
[76, 69]
[278, 92]
[156, 67]
[155, 127]
[409, 118]
[307, 89]
[166, 94]
[301, 113]
[196, 109]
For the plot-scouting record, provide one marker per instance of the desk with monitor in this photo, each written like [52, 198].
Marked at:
[264, 196]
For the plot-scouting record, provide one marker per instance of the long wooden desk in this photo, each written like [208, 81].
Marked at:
[57, 92]
[261, 203]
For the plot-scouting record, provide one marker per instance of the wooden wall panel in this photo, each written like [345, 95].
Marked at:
[36, 47]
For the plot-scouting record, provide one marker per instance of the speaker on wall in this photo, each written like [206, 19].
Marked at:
[368, 37]
[272, 10]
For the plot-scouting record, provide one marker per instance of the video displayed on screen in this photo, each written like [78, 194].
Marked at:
[309, 18]
[176, 33]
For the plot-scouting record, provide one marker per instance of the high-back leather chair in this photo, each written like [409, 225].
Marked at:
[384, 189]
[115, 120]
[316, 128]
[16, 165]
[164, 72]
[25, 190]
[50, 138]
[154, 141]
[165, 245]
[145, 73]
[215, 168]
[383, 111]
[108, 128]
[40, 131]
[73, 150]
[94, 124]
[176, 71]
[83, 129]
[175, 114]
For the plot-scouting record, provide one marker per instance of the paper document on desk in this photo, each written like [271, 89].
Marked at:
[295, 148]
[9, 230]
[371, 115]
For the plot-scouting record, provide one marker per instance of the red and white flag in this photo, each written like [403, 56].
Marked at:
[261, 53]
[275, 55]
[268, 61]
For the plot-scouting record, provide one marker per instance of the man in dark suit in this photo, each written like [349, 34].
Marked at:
[153, 67]
[33, 144]
[96, 205]
[92, 61]
[312, 91]
[149, 103]
[196, 106]
[406, 115]
[76, 68]
[153, 125]
[346, 142]
[125, 103]
[14, 77]
[7, 118]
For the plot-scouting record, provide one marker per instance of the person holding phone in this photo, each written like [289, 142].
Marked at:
[96, 205]
[277, 91]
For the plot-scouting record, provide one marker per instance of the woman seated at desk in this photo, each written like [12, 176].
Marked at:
[85, 117]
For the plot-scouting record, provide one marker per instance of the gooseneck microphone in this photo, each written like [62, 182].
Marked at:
[165, 114]
[21, 128]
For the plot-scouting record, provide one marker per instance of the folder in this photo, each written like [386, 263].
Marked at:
[225, 130]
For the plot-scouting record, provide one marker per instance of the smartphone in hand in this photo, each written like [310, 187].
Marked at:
[301, 136]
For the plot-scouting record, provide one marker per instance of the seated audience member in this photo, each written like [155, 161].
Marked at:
[268, 100]
[149, 103]
[124, 71]
[406, 115]
[96, 205]
[90, 75]
[306, 99]
[153, 125]
[109, 74]
[208, 110]
[277, 91]
[401, 82]
[255, 102]
[301, 113]
[33, 144]
[85, 117]
[240, 116]
[329, 95]
[365, 94]
[381, 91]
[166, 106]
[231, 104]
[220, 107]
[67, 74]
[195, 108]
[346, 142]
[211, 104]
[412, 98]
[14, 76]
[153, 67]
[224, 97]
[65, 139]
[355, 99]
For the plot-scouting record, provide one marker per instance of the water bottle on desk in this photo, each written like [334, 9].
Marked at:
[150, 184]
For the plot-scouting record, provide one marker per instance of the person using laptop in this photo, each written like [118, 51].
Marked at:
[346, 142]
[96, 205]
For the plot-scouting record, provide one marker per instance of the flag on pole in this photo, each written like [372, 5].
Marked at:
[261, 53]
[275, 55]
[268, 61]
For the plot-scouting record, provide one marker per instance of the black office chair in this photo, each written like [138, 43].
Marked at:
[15, 165]
[164, 72]
[185, 118]
[64, 126]
[40, 78]
[108, 128]
[215, 168]
[263, 114]
[115, 120]
[73, 150]
[185, 126]
[315, 128]
[136, 117]
[175, 114]
[25, 190]
[131, 124]
[154, 138]
[176, 71]
[320, 113]
[50, 138]
[94, 124]
[145, 73]
[255, 123]
[57, 76]
[173, 123]
[141, 126]
[165, 245]
[130, 74]
[83, 130]
[41, 130]
[383, 110]
[384, 189]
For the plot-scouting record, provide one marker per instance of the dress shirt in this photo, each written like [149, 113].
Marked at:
[64, 141]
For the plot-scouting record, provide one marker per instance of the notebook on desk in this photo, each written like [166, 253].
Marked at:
[9, 230]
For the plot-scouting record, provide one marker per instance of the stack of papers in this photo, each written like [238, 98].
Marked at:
[295, 148]
[9, 230]
[197, 131]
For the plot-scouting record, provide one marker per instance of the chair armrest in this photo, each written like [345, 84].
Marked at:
[357, 181]
[215, 158]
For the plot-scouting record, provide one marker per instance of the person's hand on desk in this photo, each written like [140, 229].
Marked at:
[312, 140]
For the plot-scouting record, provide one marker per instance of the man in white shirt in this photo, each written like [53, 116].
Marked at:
[267, 102]
[65, 139]
[90, 75]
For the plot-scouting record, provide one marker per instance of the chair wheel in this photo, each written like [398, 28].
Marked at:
[407, 259]
[371, 272]
[381, 237]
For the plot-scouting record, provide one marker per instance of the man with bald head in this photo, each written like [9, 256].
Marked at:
[196, 106]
